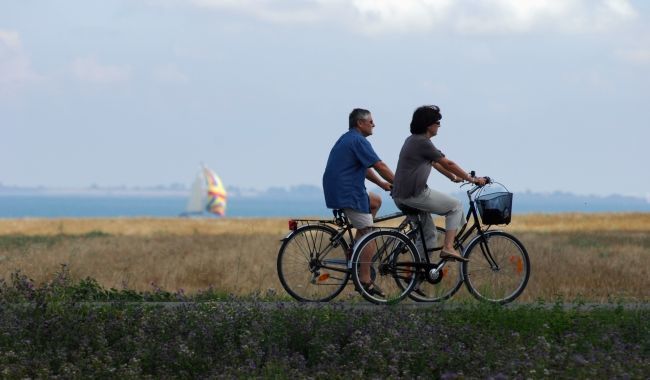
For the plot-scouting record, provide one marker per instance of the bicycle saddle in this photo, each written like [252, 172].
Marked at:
[339, 217]
[407, 210]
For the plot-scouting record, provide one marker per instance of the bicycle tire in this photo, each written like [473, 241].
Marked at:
[496, 285]
[392, 249]
[300, 264]
[445, 286]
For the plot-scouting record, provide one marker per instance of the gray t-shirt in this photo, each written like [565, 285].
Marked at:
[414, 166]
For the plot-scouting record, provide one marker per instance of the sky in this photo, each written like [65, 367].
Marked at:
[541, 95]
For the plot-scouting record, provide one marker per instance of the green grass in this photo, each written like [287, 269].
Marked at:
[20, 241]
[57, 329]
[605, 239]
[62, 288]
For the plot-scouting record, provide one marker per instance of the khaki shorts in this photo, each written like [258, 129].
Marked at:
[359, 220]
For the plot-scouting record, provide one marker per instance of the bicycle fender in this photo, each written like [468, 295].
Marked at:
[287, 236]
[299, 229]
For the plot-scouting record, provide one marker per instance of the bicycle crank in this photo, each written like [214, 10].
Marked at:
[435, 274]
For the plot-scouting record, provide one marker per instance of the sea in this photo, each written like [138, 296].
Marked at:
[15, 206]
[104, 206]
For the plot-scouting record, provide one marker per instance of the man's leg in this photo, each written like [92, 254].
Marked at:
[366, 257]
[375, 203]
[363, 223]
[370, 249]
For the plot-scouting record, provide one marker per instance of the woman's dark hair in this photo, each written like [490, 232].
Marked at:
[423, 117]
[356, 115]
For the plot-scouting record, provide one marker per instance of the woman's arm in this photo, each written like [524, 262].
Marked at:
[452, 177]
[453, 168]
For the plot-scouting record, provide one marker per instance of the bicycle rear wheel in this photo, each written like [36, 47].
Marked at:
[312, 267]
[390, 253]
[446, 282]
[498, 267]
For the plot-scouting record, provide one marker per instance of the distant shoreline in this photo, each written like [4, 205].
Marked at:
[273, 204]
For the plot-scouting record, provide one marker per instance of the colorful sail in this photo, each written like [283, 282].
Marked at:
[207, 196]
[217, 195]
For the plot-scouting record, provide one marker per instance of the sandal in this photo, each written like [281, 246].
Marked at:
[373, 289]
[452, 255]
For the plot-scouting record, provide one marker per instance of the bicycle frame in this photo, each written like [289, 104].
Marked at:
[476, 226]
[461, 237]
[343, 228]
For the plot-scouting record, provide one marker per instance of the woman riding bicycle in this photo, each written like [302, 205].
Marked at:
[410, 188]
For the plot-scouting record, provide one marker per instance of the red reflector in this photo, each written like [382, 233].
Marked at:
[293, 225]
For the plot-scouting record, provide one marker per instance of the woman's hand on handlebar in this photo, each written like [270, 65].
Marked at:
[481, 181]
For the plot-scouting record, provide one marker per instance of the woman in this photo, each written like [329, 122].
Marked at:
[410, 188]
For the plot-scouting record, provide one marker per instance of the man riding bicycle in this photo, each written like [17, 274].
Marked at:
[351, 161]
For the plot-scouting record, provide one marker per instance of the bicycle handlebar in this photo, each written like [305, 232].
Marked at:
[488, 180]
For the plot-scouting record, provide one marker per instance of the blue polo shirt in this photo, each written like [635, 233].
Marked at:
[345, 173]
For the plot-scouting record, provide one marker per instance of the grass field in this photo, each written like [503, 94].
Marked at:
[48, 331]
[590, 257]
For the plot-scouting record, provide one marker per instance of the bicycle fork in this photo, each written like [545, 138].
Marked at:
[486, 252]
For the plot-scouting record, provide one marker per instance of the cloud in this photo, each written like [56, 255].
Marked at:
[279, 11]
[377, 16]
[89, 70]
[15, 66]
[461, 16]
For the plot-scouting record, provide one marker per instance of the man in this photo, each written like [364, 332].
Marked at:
[351, 161]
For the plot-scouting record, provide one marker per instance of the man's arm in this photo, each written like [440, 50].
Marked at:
[384, 171]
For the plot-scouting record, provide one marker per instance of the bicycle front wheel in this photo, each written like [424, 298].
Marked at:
[312, 265]
[498, 268]
[390, 260]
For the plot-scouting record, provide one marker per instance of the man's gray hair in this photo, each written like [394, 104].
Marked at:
[356, 115]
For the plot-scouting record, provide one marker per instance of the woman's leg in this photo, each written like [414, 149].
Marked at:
[439, 203]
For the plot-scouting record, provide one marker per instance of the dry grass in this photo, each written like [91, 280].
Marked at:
[593, 256]
[575, 222]
[142, 226]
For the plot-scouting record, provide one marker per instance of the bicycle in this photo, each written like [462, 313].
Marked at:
[312, 262]
[497, 272]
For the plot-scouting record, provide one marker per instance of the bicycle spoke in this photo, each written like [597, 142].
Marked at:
[390, 253]
[303, 275]
[498, 269]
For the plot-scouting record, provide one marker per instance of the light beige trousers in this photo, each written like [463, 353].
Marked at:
[434, 202]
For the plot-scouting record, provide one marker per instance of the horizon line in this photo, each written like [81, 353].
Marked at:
[179, 189]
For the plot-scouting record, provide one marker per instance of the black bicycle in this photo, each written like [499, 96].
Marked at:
[313, 258]
[497, 271]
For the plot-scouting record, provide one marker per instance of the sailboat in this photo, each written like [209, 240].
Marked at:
[208, 195]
